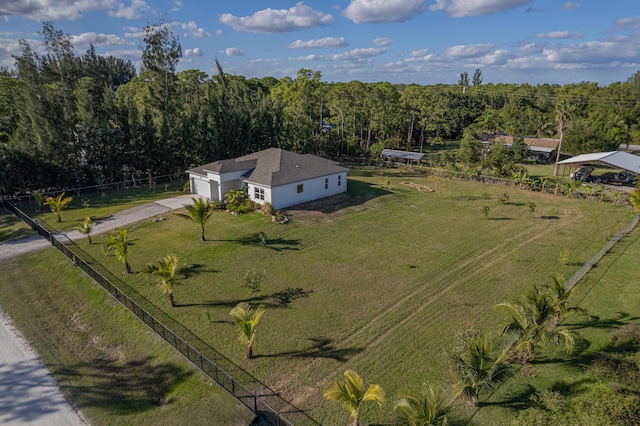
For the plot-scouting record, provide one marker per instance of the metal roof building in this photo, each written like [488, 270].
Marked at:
[617, 159]
[401, 155]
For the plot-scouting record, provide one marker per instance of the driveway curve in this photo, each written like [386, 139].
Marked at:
[28, 394]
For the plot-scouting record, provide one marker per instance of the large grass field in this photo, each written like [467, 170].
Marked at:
[107, 363]
[379, 280]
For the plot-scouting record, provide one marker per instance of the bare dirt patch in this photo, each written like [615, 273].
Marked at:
[328, 208]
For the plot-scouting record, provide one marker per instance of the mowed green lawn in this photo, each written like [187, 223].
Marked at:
[380, 283]
[107, 363]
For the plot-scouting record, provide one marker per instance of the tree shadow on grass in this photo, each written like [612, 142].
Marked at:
[278, 299]
[517, 401]
[549, 217]
[135, 386]
[194, 269]
[260, 239]
[321, 347]
[499, 218]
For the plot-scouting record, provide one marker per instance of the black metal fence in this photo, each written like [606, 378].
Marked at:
[143, 182]
[262, 401]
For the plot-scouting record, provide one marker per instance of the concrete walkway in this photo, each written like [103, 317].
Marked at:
[28, 394]
[119, 220]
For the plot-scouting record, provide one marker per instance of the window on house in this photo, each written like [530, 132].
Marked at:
[326, 183]
[258, 193]
[300, 188]
[339, 180]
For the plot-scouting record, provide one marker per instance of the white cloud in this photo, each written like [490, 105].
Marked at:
[321, 42]
[382, 41]
[270, 20]
[624, 49]
[359, 54]
[177, 5]
[193, 52]
[420, 55]
[9, 47]
[192, 30]
[555, 35]
[233, 51]
[462, 8]
[469, 51]
[132, 54]
[497, 57]
[41, 10]
[218, 32]
[382, 11]
[133, 11]
[571, 5]
[355, 55]
[96, 39]
[310, 58]
[627, 23]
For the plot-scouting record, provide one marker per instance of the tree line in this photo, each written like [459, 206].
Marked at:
[73, 120]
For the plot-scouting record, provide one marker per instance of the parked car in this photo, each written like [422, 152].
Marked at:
[625, 177]
[583, 173]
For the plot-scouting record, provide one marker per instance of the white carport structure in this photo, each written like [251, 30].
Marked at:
[616, 159]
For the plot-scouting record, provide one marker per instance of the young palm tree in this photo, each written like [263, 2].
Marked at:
[352, 393]
[634, 199]
[118, 242]
[479, 365]
[85, 228]
[58, 204]
[564, 111]
[39, 199]
[559, 301]
[428, 408]
[165, 269]
[544, 182]
[532, 324]
[247, 320]
[199, 213]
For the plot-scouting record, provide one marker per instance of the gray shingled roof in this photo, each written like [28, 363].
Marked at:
[274, 167]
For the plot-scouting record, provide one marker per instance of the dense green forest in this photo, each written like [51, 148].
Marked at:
[72, 120]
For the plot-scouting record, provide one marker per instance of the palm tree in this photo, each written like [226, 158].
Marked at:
[39, 199]
[634, 199]
[532, 324]
[85, 228]
[564, 110]
[58, 204]
[541, 124]
[165, 269]
[352, 393]
[544, 182]
[428, 408]
[199, 213]
[479, 365]
[247, 320]
[559, 300]
[119, 243]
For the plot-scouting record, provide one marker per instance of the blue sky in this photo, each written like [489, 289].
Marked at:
[400, 41]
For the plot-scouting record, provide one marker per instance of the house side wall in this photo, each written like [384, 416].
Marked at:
[313, 189]
[252, 192]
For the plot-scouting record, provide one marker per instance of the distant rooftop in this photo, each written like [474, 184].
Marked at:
[405, 155]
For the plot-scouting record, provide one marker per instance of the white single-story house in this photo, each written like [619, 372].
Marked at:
[274, 175]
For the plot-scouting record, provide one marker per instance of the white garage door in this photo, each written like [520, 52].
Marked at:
[201, 187]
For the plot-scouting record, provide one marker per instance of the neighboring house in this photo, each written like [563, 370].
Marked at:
[543, 149]
[274, 176]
